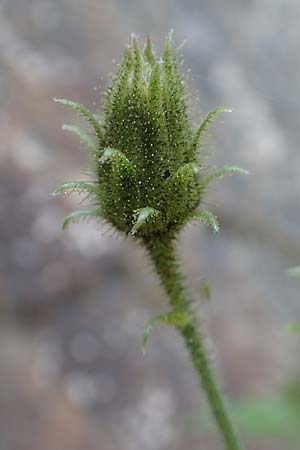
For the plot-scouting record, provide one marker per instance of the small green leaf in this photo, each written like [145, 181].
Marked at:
[204, 127]
[226, 170]
[84, 137]
[75, 186]
[208, 218]
[143, 215]
[292, 328]
[86, 113]
[177, 318]
[81, 214]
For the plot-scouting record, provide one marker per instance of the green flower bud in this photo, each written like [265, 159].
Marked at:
[149, 179]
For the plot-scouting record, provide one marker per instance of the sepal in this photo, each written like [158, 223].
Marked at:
[178, 319]
[85, 138]
[143, 216]
[219, 174]
[211, 116]
[75, 186]
[85, 113]
[208, 218]
[110, 154]
[81, 214]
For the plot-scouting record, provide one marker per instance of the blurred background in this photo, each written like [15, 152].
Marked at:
[73, 305]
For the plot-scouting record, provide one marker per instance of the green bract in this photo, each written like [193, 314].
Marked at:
[149, 180]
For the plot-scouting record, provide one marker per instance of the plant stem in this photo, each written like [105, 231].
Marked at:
[162, 254]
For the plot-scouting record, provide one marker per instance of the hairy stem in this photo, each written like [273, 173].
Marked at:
[162, 255]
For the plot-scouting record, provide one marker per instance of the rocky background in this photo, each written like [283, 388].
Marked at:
[73, 305]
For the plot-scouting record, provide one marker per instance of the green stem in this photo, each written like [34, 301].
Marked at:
[162, 255]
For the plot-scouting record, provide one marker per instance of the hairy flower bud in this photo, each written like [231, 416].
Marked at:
[148, 177]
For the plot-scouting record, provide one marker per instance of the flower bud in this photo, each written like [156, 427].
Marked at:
[149, 180]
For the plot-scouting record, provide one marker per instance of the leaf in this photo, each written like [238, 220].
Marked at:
[204, 127]
[86, 113]
[176, 318]
[292, 328]
[208, 218]
[143, 215]
[84, 137]
[219, 174]
[75, 186]
[81, 214]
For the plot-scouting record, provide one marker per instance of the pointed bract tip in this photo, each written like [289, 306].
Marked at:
[134, 39]
[148, 51]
